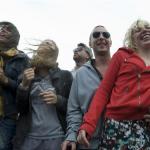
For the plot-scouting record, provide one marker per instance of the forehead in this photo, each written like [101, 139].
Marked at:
[99, 28]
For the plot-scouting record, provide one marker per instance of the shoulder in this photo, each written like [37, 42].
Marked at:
[122, 54]
[67, 72]
[22, 55]
[124, 51]
[86, 68]
[64, 74]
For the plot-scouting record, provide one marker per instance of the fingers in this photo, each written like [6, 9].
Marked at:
[82, 139]
[46, 93]
[1, 71]
[147, 117]
[3, 77]
[29, 74]
[49, 97]
[68, 145]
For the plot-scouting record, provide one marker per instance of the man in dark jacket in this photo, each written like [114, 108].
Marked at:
[42, 101]
[12, 63]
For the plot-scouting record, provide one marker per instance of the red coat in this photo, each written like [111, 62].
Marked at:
[124, 91]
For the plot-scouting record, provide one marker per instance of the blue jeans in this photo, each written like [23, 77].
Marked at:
[7, 131]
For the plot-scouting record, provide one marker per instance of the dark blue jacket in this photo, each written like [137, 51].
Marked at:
[12, 69]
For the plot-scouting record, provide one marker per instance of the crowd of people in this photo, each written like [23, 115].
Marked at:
[102, 104]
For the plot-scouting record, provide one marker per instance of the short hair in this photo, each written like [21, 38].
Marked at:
[81, 44]
[14, 40]
[128, 40]
[87, 49]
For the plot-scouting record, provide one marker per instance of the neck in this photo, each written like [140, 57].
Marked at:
[102, 60]
[80, 63]
[144, 52]
[145, 55]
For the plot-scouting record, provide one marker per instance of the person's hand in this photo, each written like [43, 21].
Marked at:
[49, 97]
[28, 76]
[68, 145]
[147, 116]
[3, 77]
[82, 138]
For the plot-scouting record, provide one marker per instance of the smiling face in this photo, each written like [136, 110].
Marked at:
[141, 35]
[100, 40]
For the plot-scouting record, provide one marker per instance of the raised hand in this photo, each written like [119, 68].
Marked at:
[28, 76]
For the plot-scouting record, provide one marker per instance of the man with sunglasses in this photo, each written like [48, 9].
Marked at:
[84, 85]
[82, 54]
[12, 63]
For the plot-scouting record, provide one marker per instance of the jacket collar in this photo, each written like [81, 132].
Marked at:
[132, 57]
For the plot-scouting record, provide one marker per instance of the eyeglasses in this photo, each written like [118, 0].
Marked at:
[98, 34]
[4, 28]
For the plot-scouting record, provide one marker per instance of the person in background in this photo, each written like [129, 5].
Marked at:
[42, 101]
[82, 54]
[124, 93]
[84, 85]
[12, 64]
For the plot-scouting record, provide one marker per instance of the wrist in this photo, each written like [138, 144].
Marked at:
[5, 80]
[24, 87]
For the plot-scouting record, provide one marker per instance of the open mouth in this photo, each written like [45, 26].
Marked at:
[146, 36]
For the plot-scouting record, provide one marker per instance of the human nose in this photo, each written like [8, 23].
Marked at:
[101, 36]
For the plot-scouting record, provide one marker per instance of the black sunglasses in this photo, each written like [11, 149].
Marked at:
[104, 34]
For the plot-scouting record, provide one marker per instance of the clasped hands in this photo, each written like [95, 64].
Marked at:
[48, 96]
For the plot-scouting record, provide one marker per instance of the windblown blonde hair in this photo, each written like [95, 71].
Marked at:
[49, 59]
[128, 40]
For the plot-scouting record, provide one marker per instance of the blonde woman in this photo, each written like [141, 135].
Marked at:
[42, 101]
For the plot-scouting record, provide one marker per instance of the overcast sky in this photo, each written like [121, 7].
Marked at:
[69, 22]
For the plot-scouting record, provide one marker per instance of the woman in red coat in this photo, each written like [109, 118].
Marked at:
[125, 93]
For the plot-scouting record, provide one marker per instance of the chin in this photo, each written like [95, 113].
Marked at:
[103, 50]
